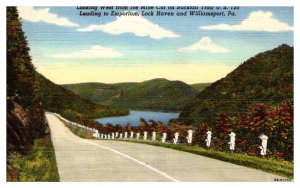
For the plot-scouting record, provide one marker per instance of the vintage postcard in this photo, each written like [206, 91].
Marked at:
[150, 93]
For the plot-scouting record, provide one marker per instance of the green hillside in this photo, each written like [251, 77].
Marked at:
[266, 78]
[98, 92]
[155, 94]
[56, 98]
[200, 86]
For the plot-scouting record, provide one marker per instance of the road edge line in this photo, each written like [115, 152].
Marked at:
[133, 159]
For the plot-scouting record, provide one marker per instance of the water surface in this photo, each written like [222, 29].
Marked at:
[133, 118]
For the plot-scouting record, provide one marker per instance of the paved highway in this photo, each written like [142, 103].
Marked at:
[115, 161]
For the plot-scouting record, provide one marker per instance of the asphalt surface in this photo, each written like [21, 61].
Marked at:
[82, 160]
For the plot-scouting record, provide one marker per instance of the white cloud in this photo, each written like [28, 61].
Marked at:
[204, 44]
[43, 15]
[256, 21]
[96, 51]
[136, 25]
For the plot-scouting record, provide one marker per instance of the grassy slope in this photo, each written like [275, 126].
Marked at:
[38, 165]
[156, 94]
[265, 78]
[82, 133]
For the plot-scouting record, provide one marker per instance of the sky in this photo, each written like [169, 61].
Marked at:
[68, 48]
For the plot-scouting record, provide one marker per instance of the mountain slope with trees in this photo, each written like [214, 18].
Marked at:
[266, 78]
[56, 98]
[30, 155]
[200, 86]
[155, 94]
[24, 112]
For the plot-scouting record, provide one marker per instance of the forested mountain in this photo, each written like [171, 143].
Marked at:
[266, 78]
[155, 94]
[200, 86]
[56, 98]
[25, 122]
[25, 118]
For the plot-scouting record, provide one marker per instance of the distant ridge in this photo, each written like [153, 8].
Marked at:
[155, 94]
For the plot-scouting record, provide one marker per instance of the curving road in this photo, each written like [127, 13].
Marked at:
[106, 161]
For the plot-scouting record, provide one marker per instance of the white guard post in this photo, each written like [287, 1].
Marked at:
[108, 136]
[95, 134]
[131, 134]
[153, 136]
[125, 135]
[176, 137]
[189, 137]
[112, 135]
[164, 137]
[137, 136]
[121, 136]
[263, 147]
[145, 135]
[117, 134]
[105, 136]
[208, 139]
[232, 141]
[101, 136]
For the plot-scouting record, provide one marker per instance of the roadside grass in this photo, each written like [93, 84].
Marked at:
[78, 131]
[38, 166]
[282, 168]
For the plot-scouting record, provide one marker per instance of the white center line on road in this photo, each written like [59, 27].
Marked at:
[133, 159]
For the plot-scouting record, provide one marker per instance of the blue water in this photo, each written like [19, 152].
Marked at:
[133, 118]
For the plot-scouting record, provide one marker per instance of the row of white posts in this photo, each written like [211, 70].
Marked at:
[189, 138]
[137, 136]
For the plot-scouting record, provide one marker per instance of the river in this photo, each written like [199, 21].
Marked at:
[133, 118]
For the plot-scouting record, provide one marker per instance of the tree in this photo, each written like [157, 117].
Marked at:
[222, 129]
[200, 134]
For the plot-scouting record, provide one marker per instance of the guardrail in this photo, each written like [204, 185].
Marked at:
[94, 131]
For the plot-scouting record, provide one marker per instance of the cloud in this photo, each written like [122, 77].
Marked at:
[96, 51]
[256, 21]
[204, 44]
[43, 15]
[136, 25]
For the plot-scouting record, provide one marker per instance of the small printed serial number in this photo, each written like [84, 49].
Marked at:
[282, 179]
